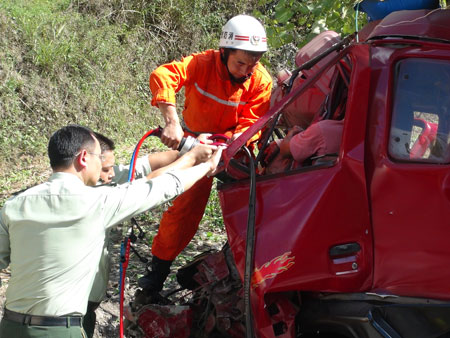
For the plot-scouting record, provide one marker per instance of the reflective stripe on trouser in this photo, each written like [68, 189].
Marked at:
[180, 222]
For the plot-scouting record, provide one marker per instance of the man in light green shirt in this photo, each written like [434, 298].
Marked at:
[52, 235]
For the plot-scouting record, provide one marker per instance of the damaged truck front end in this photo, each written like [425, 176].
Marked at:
[355, 244]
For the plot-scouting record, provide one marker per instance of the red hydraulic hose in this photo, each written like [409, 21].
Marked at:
[126, 242]
[122, 285]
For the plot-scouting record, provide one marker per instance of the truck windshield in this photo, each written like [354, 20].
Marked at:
[421, 111]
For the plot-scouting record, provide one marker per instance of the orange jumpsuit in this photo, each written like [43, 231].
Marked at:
[213, 104]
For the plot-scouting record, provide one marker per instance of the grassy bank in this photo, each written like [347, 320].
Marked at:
[87, 62]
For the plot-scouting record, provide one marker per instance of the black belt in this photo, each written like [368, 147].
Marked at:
[42, 320]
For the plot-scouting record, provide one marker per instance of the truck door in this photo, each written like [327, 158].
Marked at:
[313, 228]
[410, 182]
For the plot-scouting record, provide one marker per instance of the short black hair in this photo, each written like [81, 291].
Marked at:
[106, 144]
[66, 142]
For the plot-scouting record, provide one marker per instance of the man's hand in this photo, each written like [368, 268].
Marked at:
[204, 138]
[209, 155]
[171, 135]
[202, 152]
[285, 149]
[214, 162]
[191, 175]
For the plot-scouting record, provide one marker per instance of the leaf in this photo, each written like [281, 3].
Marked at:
[283, 15]
[286, 37]
[327, 4]
[348, 29]
[290, 27]
[302, 8]
[281, 4]
[311, 7]
[316, 11]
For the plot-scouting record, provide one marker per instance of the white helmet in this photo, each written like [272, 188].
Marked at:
[244, 32]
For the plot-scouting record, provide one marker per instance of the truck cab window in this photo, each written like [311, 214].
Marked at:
[420, 127]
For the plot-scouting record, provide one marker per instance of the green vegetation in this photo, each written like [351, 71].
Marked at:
[88, 62]
[290, 24]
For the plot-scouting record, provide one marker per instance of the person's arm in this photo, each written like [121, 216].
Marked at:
[198, 154]
[5, 250]
[305, 144]
[172, 133]
[127, 200]
[285, 144]
[159, 160]
[165, 82]
[145, 165]
[142, 169]
[191, 175]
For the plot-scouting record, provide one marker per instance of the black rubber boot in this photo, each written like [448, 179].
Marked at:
[152, 283]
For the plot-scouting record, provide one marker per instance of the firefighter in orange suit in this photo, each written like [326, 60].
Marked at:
[226, 91]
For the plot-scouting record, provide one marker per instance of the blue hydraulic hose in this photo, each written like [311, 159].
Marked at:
[125, 245]
[356, 22]
[122, 255]
[131, 165]
[122, 246]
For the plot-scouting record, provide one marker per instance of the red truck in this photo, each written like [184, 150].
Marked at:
[357, 244]
[354, 244]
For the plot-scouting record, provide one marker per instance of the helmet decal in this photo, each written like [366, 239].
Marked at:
[255, 40]
[227, 35]
[241, 38]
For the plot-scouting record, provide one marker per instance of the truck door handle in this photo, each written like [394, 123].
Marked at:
[344, 249]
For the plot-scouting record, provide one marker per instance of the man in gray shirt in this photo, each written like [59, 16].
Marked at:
[52, 235]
